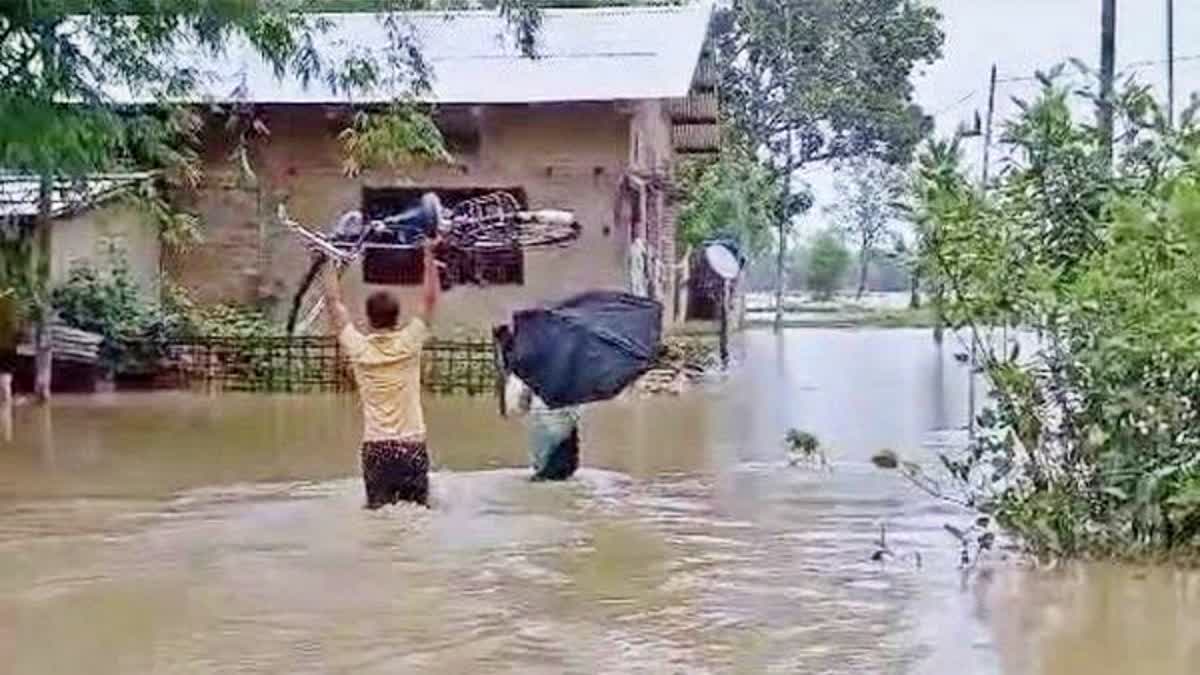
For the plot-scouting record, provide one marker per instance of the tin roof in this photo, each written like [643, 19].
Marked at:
[19, 192]
[604, 54]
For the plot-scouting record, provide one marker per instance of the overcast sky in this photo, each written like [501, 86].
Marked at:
[1022, 36]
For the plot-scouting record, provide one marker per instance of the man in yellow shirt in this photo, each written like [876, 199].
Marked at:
[386, 362]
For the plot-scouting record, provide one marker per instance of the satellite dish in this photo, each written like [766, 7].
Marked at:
[722, 261]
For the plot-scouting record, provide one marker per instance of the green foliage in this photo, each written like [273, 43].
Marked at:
[828, 260]
[834, 74]
[804, 448]
[223, 320]
[47, 69]
[803, 81]
[136, 329]
[731, 198]
[1090, 446]
[869, 193]
[797, 266]
[802, 442]
[403, 135]
[110, 304]
[22, 286]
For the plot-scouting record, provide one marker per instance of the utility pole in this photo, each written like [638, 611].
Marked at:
[1108, 69]
[987, 130]
[1171, 64]
[983, 183]
[724, 316]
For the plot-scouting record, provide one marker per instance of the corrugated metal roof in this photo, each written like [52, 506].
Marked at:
[19, 192]
[583, 55]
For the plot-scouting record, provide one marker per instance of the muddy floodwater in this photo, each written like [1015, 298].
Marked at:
[183, 533]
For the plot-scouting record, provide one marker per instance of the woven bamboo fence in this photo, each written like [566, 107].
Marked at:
[311, 364]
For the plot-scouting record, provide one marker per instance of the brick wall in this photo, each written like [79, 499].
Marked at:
[568, 156]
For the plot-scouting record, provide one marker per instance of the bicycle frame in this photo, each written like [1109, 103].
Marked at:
[471, 218]
[486, 223]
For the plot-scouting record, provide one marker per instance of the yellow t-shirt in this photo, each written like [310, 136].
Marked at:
[387, 368]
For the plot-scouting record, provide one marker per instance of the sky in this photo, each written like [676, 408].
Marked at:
[1022, 36]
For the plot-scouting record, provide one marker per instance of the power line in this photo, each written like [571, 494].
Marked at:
[1177, 59]
[1033, 78]
[945, 109]
[1125, 67]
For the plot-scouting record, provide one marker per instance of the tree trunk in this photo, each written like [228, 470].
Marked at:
[724, 316]
[780, 275]
[939, 321]
[784, 214]
[40, 260]
[863, 262]
[43, 361]
[914, 290]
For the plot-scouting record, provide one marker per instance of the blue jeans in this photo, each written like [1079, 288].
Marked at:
[553, 445]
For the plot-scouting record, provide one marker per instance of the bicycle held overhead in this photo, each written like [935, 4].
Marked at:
[488, 223]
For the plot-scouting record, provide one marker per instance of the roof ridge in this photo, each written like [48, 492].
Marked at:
[598, 53]
[614, 10]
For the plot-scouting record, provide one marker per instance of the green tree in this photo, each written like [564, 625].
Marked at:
[733, 197]
[797, 268]
[1090, 447]
[828, 261]
[869, 192]
[804, 81]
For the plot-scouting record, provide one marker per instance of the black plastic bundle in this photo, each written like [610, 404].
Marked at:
[588, 348]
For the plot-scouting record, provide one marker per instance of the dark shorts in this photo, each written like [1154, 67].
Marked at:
[395, 471]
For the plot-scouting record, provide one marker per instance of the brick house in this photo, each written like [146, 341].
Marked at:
[593, 125]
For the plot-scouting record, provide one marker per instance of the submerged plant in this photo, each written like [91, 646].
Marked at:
[974, 540]
[884, 552]
[805, 449]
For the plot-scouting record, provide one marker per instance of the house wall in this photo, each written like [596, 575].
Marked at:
[88, 238]
[651, 160]
[568, 156]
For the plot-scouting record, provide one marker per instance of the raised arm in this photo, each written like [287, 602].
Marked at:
[335, 309]
[433, 286]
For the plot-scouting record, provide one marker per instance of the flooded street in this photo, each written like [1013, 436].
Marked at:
[179, 533]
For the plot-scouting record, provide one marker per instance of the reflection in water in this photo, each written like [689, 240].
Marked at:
[937, 389]
[183, 533]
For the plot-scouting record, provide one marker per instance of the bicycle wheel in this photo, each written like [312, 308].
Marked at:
[545, 232]
[307, 302]
[496, 221]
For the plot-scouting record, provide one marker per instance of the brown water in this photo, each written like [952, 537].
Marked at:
[180, 533]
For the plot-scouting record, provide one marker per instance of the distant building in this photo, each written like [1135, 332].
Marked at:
[90, 222]
[593, 125]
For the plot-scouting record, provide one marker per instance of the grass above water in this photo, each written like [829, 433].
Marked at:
[845, 317]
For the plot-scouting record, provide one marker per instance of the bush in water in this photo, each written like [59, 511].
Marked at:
[137, 330]
[1089, 445]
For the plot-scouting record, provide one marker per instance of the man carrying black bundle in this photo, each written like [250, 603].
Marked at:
[554, 359]
[553, 433]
